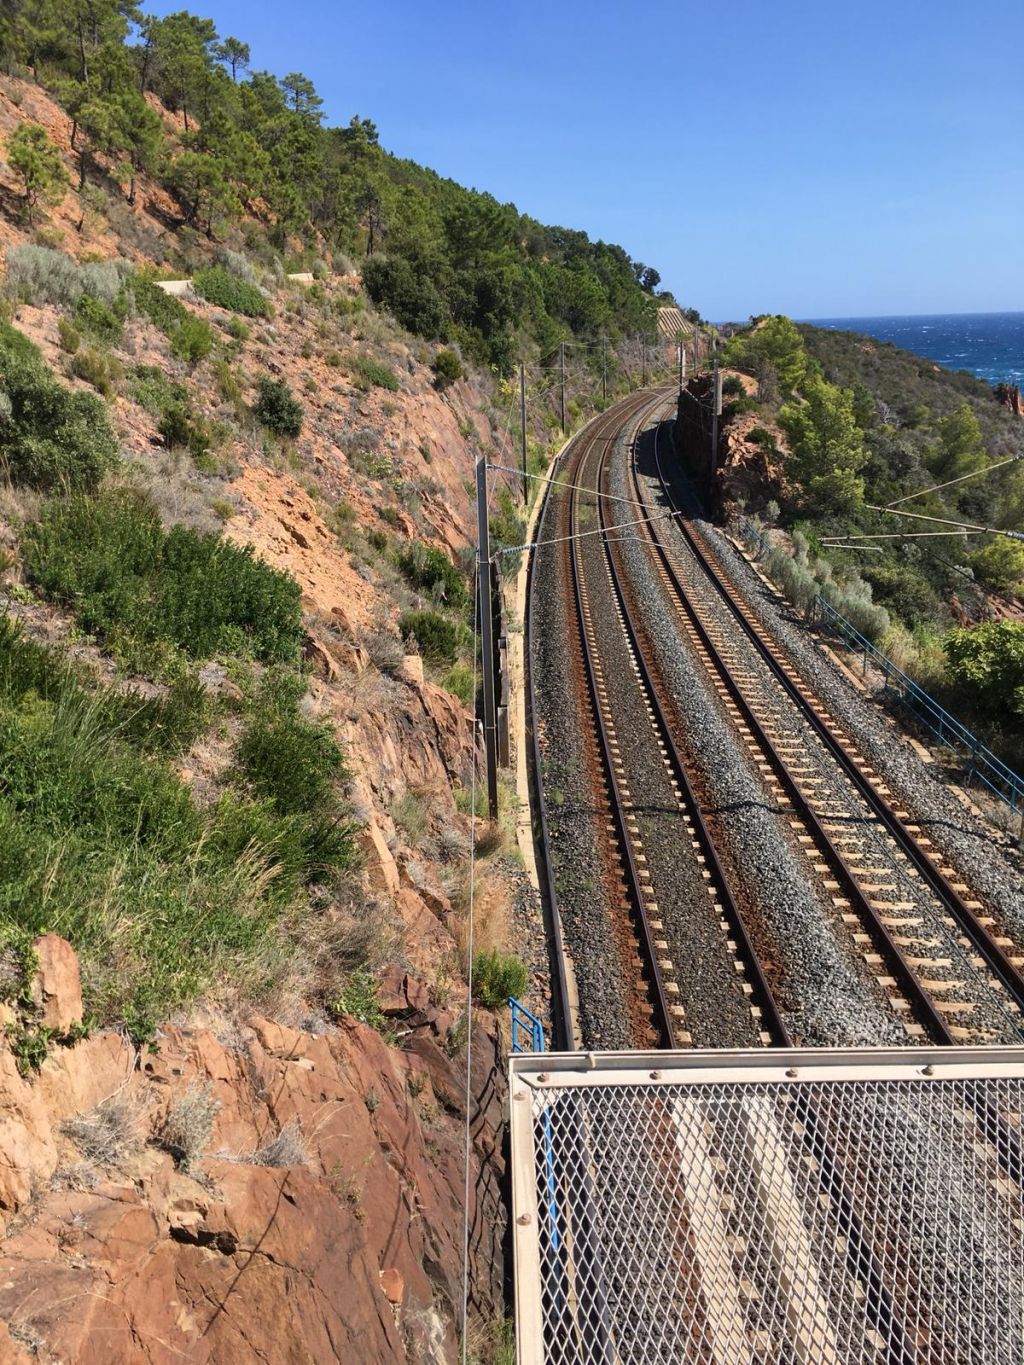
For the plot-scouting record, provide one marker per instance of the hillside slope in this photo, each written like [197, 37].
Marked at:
[822, 431]
[237, 738]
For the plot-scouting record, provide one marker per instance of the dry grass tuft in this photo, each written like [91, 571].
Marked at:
[108, 1134]
[188, 1124]
[287, 1149]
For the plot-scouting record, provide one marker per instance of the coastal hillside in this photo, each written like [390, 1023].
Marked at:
[823, 427]
[236, 700]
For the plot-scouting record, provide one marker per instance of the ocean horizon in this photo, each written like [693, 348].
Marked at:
[988, 345]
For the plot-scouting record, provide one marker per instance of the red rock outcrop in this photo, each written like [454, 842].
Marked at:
[1009, 396]
[352, 1252]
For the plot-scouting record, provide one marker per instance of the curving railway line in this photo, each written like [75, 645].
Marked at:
[672, 908]
[698, 908]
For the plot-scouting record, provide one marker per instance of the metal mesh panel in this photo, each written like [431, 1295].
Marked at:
[826, 1218]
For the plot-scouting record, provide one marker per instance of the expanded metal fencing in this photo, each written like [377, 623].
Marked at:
[825, 1208]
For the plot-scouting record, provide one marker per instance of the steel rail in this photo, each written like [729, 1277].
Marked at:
[609, 432]
[995, 958]
[763, 996]
[563, 1021]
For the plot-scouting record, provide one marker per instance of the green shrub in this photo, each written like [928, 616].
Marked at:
[237, 329]
[277, 409]
[220, 287]
[447, 369]
[507, 523]
[182, 430]
[229, 387]
[162, 309]
[410, 294]
[97, 368]
[67, 336]
[151, 724]
[163, 900]
[425, 567]
[459, 681]
[108, 558]
[291, 761]
[496, 976]
[435, 636]
[1001, 563]
[360, 999]
[370, 373]
[53, 435]
[153, 390]
[987, 664]
[98, 320]
[192, 341]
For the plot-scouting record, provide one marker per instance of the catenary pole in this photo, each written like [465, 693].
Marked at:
[561, 365]
[522, 429]
[483, 568]
[716, 412]
[604, 368]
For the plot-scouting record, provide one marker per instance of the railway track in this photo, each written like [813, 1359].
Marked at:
[654, 836]
[947, 976]
[934, 958]
[654, 1020]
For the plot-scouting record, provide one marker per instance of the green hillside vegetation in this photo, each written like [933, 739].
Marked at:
[165, 898]
[865, 423]
[449, 262]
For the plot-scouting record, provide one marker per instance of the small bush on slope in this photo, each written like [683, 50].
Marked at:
[101, 842]
[50, 435]
[277, 409]
[424, 567]
[285, 758]
[496, 977]
[437, 638]
[109, 559]
[218, 286]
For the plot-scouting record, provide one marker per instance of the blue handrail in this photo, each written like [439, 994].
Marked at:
[755, 537]
[528, 1029]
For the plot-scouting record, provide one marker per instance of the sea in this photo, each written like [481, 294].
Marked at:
[989, 345]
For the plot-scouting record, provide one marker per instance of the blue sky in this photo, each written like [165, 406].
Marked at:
[819, 159]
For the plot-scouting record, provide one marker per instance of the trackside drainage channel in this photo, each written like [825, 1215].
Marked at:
[821, 1207]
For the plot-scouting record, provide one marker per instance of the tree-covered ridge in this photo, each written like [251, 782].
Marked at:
[448, 261]
[851, 425]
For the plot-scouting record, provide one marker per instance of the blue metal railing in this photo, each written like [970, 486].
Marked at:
[528, 1036]
[527, 1030]
[980, 762]
[754, 537]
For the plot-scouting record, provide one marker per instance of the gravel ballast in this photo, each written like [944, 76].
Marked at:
[826, 992]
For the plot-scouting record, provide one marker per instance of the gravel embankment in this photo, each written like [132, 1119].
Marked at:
[717, 1011]
[825, 990]
[603, 1005]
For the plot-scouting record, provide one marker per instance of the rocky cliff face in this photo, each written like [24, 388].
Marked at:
[315, 1212]
[250, 1191]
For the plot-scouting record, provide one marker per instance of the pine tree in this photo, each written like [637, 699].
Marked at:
[37, 164]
